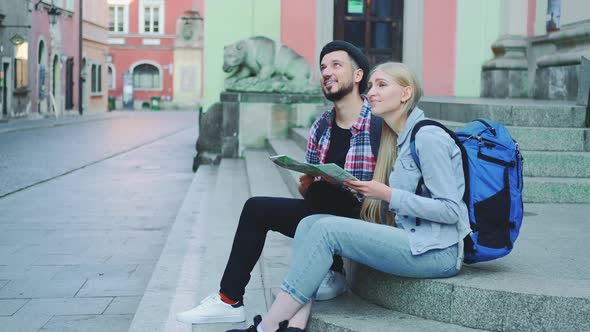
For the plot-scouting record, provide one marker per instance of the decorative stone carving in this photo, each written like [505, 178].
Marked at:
[260, 64]
[505, 76]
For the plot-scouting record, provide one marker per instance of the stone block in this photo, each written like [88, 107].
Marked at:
[210, 129]
[518, 84]
[88, 323]
[123, 305]
[502, 83]
[19, 289]
[254, 126]
[557, 83]
[303, 115]
[279, 121]
[552, 164]
[420, 297]
[556, 190]
[113, 287]
[10, 306]
[584, 83]
[66, 306]
[506, 311]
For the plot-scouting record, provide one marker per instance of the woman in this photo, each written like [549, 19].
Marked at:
[413, 232]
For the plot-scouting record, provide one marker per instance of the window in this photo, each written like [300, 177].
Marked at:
[375, 26]
[21, 72]
[151, 16]
[118, 18]
[111, 78]
[146, 77]
[96, 79]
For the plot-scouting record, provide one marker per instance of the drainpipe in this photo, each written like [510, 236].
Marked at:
[80, 97]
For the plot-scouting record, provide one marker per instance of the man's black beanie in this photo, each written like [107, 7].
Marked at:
[356, 54]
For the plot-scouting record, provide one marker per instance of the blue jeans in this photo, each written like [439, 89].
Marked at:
[319, 237]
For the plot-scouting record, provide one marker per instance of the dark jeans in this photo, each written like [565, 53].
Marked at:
[261, 214]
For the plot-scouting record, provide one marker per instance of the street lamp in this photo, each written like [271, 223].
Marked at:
[52, 11]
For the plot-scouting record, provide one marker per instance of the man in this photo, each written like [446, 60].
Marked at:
[339, 136]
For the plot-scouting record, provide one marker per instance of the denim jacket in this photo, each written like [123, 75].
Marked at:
[439, 204]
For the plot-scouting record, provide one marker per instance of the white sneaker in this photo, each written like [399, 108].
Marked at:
[334, 284]
[212, 310]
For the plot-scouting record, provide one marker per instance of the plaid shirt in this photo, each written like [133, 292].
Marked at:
[360, 160]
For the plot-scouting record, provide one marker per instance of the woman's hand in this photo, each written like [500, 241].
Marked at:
[370, 189]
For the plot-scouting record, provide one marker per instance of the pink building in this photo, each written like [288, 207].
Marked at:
[157, 46]
[54, 56]
[94, 56]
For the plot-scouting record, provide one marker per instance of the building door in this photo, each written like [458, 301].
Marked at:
[375, 26]
[70, 83]
[4, 88]
[56, 99]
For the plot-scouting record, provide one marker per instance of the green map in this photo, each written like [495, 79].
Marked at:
[326, 170]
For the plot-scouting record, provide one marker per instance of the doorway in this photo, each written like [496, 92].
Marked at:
[70, 83]
[56, 85]
[375, 26]
[4, 87]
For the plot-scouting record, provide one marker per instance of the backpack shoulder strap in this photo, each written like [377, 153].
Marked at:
[321, 128]
[375, 133]
[428, 122]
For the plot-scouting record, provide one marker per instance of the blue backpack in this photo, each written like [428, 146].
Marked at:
[492, 165]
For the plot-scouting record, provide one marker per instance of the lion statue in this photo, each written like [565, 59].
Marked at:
[259, 64]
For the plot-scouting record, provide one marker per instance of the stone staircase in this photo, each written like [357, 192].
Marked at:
[543, 285]
[526, 291]
[552, 136]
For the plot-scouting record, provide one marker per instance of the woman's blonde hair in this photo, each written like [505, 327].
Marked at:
[403, 75]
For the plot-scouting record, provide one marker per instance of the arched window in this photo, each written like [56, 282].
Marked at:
[112, 77]
[146, 77]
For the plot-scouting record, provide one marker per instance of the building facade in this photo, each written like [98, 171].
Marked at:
[15, 85]
[447, 42]
[155, 51]
[55, 57]
[95, 64]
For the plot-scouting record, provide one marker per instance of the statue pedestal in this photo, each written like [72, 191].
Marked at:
[245, 120]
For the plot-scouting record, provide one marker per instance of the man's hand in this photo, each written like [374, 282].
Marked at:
[370, 189]
[304, 182]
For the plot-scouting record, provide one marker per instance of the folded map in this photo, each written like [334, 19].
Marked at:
[327, 170]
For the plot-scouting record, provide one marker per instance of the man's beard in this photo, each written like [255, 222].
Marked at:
[341, 93]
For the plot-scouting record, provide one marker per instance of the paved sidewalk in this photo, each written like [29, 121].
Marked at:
[77, 252]
[38, 121]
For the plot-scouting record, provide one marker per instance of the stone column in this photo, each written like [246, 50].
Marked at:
[506, 76]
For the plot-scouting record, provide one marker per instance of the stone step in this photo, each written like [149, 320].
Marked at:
[543, 139]
[300, 136]
[265, 180]
[510, 112]
[556, 164]
[350, 313]
[290, 148]
[556, 190]
[543, 285]
[196, 252]
[156, 310]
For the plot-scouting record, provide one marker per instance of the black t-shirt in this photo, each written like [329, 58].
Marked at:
[339, 145]
[327, 198]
